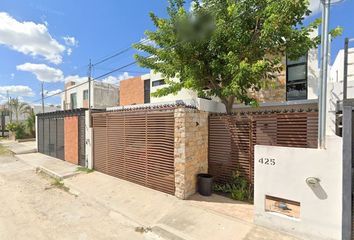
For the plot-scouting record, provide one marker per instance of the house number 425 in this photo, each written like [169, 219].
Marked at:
[267, 161]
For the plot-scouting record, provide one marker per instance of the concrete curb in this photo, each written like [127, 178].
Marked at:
[22, 152]
[169, 233]
[53, 174]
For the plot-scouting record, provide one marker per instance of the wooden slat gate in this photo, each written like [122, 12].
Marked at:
[232, 139]
[136, 146]
[230, 147]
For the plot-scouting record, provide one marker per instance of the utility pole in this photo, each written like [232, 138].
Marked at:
[89, 82]
[322, 100]
[42, 83]
[345, 73]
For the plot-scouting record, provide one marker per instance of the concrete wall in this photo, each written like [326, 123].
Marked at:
[191, 149]
[103, 95]
[131, 91]
[88, 141]
[71, 140]
[313, 74]
[320, 206]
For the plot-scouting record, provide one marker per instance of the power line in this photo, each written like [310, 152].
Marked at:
[112, 56]
[103, 75]
[85, 82]
[115, 70]
[119, 52]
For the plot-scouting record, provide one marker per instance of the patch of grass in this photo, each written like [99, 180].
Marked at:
[59, 184]
[4, 150]
[143, 229]
[85, 170]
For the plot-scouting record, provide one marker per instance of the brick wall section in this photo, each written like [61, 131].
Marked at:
[191, 149]
[131, 91]
[71, 145]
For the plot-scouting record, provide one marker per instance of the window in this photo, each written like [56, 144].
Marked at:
[296, 79]
[85, 94]
[147, 91]
[158, 83]
[73, 101]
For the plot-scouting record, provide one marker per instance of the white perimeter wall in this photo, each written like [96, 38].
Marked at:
[321, 207]
[88, 141]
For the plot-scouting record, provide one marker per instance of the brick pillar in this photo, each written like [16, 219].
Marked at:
[191, 149]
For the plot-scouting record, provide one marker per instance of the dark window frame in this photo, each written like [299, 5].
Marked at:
[147, 91]
[71, 100]
[159, 82]
[294, 82]
[83, 95]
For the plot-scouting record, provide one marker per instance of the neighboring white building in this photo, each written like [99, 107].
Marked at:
[77, 94]
[157, 82]
[335, 87]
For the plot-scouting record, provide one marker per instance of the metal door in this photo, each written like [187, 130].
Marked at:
[60, 138]
[52, 137]
[40, 127]
[46, 126]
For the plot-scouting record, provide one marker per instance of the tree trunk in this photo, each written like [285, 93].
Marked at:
[229, 102]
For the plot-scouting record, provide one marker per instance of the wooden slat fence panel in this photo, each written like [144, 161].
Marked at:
[140, 147]
[230, 142]
[232, 139]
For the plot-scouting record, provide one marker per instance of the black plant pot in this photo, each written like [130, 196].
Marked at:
[205, 183]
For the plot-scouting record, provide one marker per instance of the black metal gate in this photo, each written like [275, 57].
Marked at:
[51, 134]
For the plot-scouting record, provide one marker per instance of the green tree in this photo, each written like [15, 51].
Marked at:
[16, 107]
[225, 48]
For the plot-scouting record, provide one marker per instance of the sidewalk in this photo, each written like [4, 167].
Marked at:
[20, 148]
[165, 214]
[170, 218]
[53, 167]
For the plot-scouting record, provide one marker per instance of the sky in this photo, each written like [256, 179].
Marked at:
[53, 41]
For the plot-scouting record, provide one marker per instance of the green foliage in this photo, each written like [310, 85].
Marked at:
[59, 184]
[18, 128]
[226, 48]
[238, 187]
[4, 150]
[84, 169]
[31, 122]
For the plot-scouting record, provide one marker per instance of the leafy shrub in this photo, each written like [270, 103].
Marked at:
[17, 128]
[239, 188]
[31, 122]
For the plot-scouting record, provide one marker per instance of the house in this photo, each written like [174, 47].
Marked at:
[76, 95]
[138, 90]
[298, 81]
